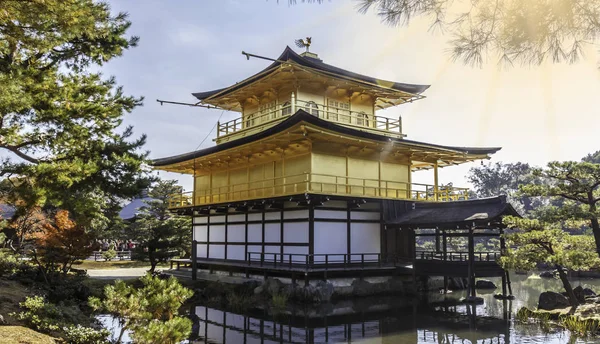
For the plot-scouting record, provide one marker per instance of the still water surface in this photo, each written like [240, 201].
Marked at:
[435, 318]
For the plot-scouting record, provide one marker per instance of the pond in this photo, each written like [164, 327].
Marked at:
[435, 318]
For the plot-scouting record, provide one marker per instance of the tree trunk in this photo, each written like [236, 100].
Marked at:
[594, 223]
[153, 261]
[567, 286]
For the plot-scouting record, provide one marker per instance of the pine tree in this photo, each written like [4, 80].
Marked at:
[59, 118]
[159, 232]
[150, 312]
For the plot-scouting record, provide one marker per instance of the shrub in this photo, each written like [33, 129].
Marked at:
[86, 335]
[39, 315]
[8, 262]
[279, 301]
[149, 312]
[109, 255]
[43, 316]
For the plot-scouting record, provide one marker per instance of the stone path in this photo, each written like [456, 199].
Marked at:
[117, 273]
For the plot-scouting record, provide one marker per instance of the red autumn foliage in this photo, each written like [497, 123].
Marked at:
[61, 243]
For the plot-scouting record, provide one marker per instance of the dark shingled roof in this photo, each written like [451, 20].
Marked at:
[432, 214]
[289, 54]
[298, 117]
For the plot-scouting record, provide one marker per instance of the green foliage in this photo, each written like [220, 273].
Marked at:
[279, 301]
[503, 179]
[580, 327]
[59, 118]
[39, 315]
[577, 186]
[150, 312]
[109, 255]
[534, 242]
[530, 32]
[160, 233]
[8, 262]
[239, 302]
[43, 316]
[86, 335]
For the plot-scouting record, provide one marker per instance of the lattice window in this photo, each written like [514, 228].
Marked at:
[362, 119]
[312, 108]
[338, 111]
[267, 111]
[286, 109]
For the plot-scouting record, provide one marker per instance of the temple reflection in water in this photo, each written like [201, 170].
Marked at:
[406, 325]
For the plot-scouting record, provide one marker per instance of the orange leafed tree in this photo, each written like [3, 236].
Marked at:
[28, 220]
[60, 244]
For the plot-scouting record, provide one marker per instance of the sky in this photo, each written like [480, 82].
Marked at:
[535, 113]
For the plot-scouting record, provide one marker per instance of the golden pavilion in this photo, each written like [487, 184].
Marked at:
[310, 175]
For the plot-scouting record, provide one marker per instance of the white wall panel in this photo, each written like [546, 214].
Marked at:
[295, 232]
[254, 233]
[272, 232]
[236, 252]
[331, 214]
[200, 219]
[201, 251]
[301, 251]
[330, 237]
[236, 233]
[272, 249]
[236, 218]
[362, 215]
[273, 215]
[255, 217]
[217, 233]
[217, 218]
[365, 238]
[295, 214]
[200, 233]
[217, 251]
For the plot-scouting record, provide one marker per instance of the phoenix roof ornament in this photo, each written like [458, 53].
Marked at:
[304, 43]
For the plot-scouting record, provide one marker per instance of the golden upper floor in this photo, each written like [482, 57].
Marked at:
[293, 82]
[307, 154]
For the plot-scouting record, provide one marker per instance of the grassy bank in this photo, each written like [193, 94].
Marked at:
[24, 335]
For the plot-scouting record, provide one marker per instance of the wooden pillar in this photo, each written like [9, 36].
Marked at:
[437, 241]
[445, 253]
[471, 269]
[435, 181]
[293, 102]
[194, 259]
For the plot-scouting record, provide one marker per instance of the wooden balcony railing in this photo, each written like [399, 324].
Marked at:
[318, 183]
[322, 261]
[457, 256]
[261, 119]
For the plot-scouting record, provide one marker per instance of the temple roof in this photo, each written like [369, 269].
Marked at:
[301, 116]
[456, 213]
[318, 65]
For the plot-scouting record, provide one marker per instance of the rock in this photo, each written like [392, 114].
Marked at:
[579, 294]
[361, 287]
[473, 300]
[258, 290]
[589, 292]
[485, 284]
[550, 300]
[324, 290]
[272, 286]
[547, 274]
